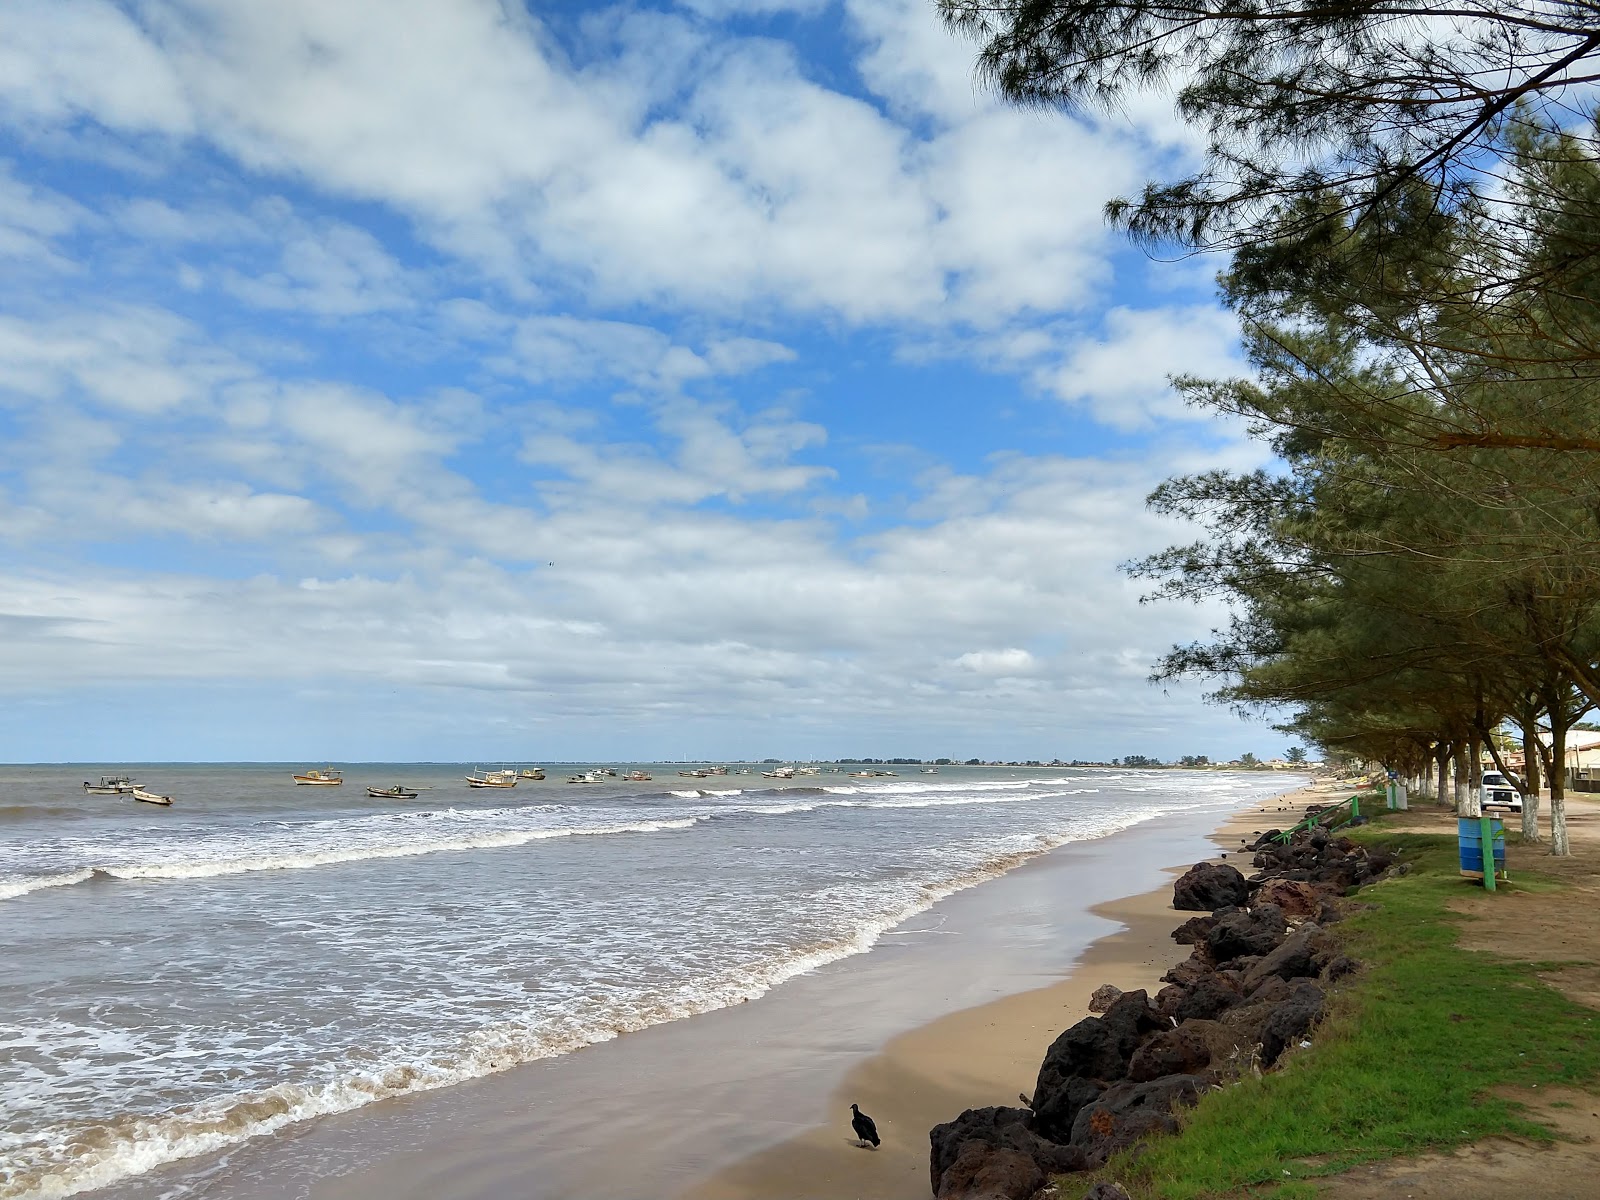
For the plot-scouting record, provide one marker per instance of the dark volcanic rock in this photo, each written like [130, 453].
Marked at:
[1180, 1051]
[1193, 931]
[1207, 999]
[1292, 960]
[1239, 932]
[1096, 1048]
[1189, 972]
[1338, 967]
[982, 1172]
[1206, 887]
[1105, 1190]
[1272, 990]
[1291, 1020]
[984, 1138]
[1294, 897]
[1128, 1111]
[1055, 1111]
[987, 1139]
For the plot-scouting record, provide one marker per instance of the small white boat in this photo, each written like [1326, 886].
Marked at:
[492, 779]
[588, 777]
[397, 792]
[780, 773]
[319, 777]
[695, 774]
[151, 797]
[638, 777]
[110, 785]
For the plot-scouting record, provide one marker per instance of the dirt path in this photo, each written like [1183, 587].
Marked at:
[1559, 929]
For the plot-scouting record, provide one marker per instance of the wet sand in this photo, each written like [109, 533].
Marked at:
[975, 1058]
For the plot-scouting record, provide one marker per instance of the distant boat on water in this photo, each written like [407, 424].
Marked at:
[110, 785]
[638, 777]
[492, 779]
[531, 773]
[589, 777]
[779, 773]
[151, 797]
[319, 777]
[397, 792]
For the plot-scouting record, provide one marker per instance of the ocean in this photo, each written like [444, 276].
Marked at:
[176, 982]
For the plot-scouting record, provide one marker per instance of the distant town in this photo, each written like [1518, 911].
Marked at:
[1293, 760]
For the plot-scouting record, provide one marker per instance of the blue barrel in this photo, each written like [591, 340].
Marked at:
[1469, 834]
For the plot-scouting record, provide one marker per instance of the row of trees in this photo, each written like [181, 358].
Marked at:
[1410, 198]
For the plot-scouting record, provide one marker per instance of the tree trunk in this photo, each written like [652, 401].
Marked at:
[1466, 799]
[1425, 784]
[1558, 782]
[1443, 795]
[1530, 779]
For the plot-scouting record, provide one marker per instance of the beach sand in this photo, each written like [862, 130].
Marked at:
[980, 1056]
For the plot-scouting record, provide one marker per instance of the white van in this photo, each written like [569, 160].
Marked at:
[1498, 792]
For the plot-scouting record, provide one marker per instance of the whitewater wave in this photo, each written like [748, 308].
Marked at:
[81, 1157]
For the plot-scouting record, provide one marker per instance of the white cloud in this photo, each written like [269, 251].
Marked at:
[1011, 661]
[61, 59]
[1122, 375]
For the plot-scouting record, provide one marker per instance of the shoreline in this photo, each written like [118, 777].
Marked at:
[693, 1099]
[976, 1057]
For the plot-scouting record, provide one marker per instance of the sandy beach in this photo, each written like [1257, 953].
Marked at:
[977, 1057]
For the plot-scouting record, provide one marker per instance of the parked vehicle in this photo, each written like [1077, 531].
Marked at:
[1498, 792]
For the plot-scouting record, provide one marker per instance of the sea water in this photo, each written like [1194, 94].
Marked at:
[176, 981]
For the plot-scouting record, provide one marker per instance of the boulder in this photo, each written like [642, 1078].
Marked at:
[1129, 1111]
[1096, 1048]
[1337, 967]
[1206, 887]
[1210, 997]
[1291, 1020]
[1056, 1110]
[1273, 990]
[985, 1139]
[1193, 931]
[983, 1172]
[1180, 1051]
[1295, 898]
[1104, 997]
[1105, 1190]
[1189, 972]
[1239, 931]
[1248, 1021]
[1292, 960]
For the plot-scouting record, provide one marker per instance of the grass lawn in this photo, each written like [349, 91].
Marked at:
[1405, 1061]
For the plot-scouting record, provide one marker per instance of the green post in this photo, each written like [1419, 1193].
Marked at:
[1355, 807]
[1486, 835]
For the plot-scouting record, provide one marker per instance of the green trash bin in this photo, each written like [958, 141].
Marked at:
[1469, 834]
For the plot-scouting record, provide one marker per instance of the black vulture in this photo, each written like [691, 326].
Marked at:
[866, 1131]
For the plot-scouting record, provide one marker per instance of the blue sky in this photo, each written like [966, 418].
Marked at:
[433, 379]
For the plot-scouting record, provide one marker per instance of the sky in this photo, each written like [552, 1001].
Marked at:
[456, 380]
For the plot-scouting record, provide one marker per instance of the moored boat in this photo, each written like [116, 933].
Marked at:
[397, 792]
[319, 777]
[531, 773]
[780, 773]
[587, 777]
[151, 797]
[638, 777]
[492, 779]
[110, 785]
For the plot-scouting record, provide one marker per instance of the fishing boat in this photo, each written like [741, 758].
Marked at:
[151, 797]
[319, 777]
[531, 773]
[492, 779]
[637, 777]
[110, 785]
[780, 773]
[587, 777]
[397, 792]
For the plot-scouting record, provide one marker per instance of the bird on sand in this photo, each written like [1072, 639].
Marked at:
[866, 1131]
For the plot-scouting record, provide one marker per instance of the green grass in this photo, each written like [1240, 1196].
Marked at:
[1405, 1061]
